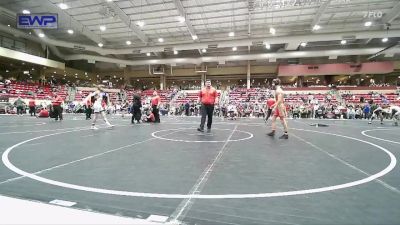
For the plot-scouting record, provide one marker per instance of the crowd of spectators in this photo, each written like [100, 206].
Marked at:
[244, 102]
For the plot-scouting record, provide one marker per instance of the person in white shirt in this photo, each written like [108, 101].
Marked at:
[232, 111]
[395, 114]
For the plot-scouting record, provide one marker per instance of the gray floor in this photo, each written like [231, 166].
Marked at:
[128, 158]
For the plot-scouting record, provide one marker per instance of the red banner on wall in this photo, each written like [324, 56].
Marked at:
[336, 69]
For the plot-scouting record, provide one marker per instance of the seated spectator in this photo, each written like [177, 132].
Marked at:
[149, 117]
[44, 113]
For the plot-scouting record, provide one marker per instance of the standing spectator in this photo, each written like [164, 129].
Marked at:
[155, 104]
[367, 110]
[89, 105]
[136, 113]
[187, 106]
[207, 97]
[20, 104]
[57, 101]
[32, 107]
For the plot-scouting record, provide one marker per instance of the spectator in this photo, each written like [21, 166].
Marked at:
[32, 107]
[20, 104]
[367, 111]
[136, 106]
[149, 117]
[44, 113]
[57, 101]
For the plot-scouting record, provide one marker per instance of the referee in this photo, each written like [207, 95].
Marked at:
[207, 97]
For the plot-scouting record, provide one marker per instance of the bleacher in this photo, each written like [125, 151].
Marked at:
[242, 94]
[165, 95]
[185, 96]
[299, 98]
[27, 91]
[391, 98]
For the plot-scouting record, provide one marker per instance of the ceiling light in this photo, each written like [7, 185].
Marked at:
[41, 35]
[109, 0]
[100, 45]
[63, 6]
[343, 42]
[70, 31]
[128, 42]
[234, 48]
[231, 34]
[368, 23]
[26, 11]
[140, 23]
[316, 27]
[161, 40]
[272, 30]
[303, 44]
[9, 25]
[102, 28]
[175, 52]
[181, 19]
[384, 40]
[7, 71]
[267, 46]
[148, 54]
[204, 50]
[194, 37]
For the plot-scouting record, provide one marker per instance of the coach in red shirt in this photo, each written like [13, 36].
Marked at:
[32, 107]
[57, 110]
[207, 97]
[155, 104]
[270, 102]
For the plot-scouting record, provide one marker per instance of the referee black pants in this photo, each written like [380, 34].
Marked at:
[58, 112]
[156, 113]
[206, 111]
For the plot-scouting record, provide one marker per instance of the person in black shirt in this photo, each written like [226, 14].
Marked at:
[136, 105]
